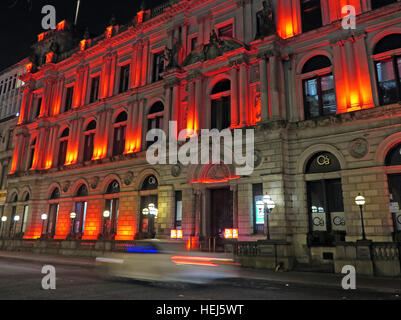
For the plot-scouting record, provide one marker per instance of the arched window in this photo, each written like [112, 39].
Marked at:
[82, 191]
[24, 219]
[150, 183]
[155, 118]
[319, 90]
[14, 199]
[387, 55]
[114, 187]
[63, 145]
[325, 201]
[120, 128]
[31, 154]
[55, 194]
[90, 132]
[221, 105]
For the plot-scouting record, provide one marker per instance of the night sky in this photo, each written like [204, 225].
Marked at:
[21, 20]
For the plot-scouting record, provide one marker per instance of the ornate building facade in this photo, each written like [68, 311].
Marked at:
[323, 101]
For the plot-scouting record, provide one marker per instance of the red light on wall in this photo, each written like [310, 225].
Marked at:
[109, 32]
[231, 233]
[41, 37]
[61, 25]
[140, 16]
[82, 45]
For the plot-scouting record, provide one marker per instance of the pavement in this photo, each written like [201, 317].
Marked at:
[251, 278]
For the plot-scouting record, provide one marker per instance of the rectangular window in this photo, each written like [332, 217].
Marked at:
[158, 66]
[68, 98]
[119, 141]
[13, 213]
[194, 43]
[258, 209]
[38, 107]
[24, 219]
[4, 171]
[62, 155]
[381, 3]
[388, 78]
[311, 14]
[10, 140]
[178, 209]
[226, 31]
[89, 145]
[94, 95]
[319, 96]
[80, 210]
[113, 206]
[124, 78]
[52, 220]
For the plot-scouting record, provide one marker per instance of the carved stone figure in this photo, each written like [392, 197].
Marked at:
[173, 56]
[265, 21]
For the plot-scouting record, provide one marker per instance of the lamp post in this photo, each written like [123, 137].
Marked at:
[73, 216]
[360, 201]
[3, 221]
[106, 216]
[16, 219]
[44, 218]
[269, 206]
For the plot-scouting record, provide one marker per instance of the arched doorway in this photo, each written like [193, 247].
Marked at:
[393, 159]
[148, 208]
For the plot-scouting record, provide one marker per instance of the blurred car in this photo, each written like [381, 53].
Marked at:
[166, 261]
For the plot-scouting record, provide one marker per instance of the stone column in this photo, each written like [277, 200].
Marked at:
[234, 96]
[198, 103]
[264, 93]
[243, 94]
[26, 102]
[166, 116]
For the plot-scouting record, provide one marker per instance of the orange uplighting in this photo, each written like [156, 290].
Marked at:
[287, 25]
[215, 181]
[49, 57]
[61, 25]
[109, 32]
[140, 16]
[29, 67]
[41, 37]
[82, 45]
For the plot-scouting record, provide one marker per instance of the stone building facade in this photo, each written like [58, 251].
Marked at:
[323, 101]
[10, 104]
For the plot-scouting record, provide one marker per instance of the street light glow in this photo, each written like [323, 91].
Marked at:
[106, 214]
[44, 217]
[360, 200]
[4, 219]
[17, 218]
[73, 215]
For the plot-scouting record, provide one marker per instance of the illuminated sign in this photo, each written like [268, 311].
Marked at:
[260, 210]
[176, 234]
[231, 233]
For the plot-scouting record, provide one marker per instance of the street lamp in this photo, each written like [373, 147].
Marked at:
[73, 216]
[269, 206]
[3, 222]
[106, 216]
[16, 219]
[360, 201]
[44, 218]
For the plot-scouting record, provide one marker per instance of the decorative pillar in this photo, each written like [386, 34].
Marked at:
[234, 96]
[243, 94]
[264, 93]
[26, 102]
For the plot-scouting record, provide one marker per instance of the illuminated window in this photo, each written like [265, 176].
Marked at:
[258, 212]
[226, 31]
[178, 209]
[68, 98]
[52, 219]
[155, 119]
[120, 128]
[94, 94]
[89, 141]
[62, 151]
[381, 3]
[80, 210]
[319, 91]
[388, 70]
[24, 219]
[221, 105]
[311, 14]
[158, 66]
[124, 78]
